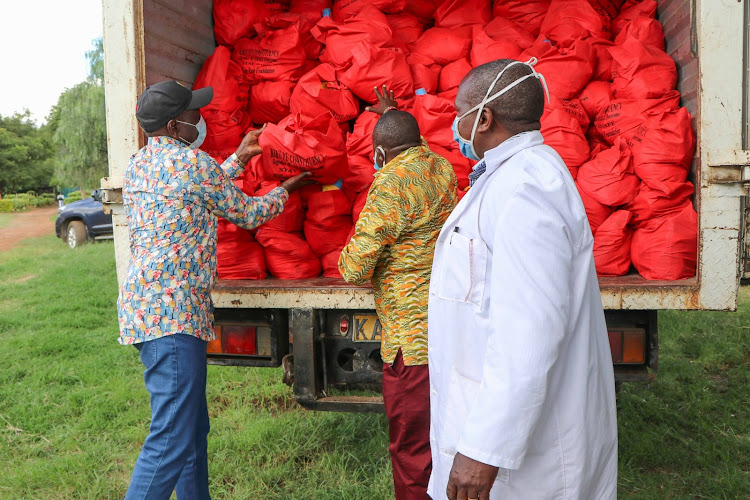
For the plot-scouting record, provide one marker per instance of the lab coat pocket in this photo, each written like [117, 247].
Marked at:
[463, 269]
[462, 392]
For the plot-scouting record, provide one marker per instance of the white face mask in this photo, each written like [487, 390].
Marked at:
[201, 128]
[467, 145]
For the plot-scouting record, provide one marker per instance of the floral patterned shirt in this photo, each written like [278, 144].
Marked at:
[393, 245]
[172, 197]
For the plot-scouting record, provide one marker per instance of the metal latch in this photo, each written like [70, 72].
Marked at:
[111, 190]
[731, 161]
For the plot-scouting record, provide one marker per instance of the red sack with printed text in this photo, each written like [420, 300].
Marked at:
[442, 45]
[631, 10]
[646, 30]
[484, 49]
[565, 70]
[595, 211]
[288, 255]
[612, 242]
[298, 144]
[529, 14]
[505, 30]
[277, 55]
[572, 107]
[227, 118]
[238, 255]
[374, 67]
[563, 133]
[369, 25]
[269, 101]
[452, 75]
[568, 20]
[293, 216]
[435, 117]
[424, 72]
[660, 199]
[663, 147]
[328, 221]
[345, 9]
[641, 72]
[460, 13]
[622, 117]
[320, 92]
[234, 19]
[666, 248]
[609, 176]
[304, 26]
[595, 97]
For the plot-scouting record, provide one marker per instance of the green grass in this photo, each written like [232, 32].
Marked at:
[5, 220]
[73, 410]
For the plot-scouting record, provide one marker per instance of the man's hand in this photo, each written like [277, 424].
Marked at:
[470, 479]
[296, 182]
[249, 146]
[385, 101]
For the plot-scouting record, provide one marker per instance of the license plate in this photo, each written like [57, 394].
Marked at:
[367, 328]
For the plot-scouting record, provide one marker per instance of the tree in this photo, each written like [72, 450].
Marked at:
[79, 127]
[25, 154]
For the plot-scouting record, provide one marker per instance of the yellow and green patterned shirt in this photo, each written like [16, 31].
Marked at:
[393, 244]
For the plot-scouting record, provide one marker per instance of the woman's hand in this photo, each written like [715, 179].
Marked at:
[385, 101]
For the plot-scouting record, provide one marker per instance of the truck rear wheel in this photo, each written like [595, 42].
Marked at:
[76, 234]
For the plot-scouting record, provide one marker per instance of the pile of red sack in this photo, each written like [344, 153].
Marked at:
[308, 69]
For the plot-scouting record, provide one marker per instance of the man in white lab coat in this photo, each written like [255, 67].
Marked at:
[522, 386]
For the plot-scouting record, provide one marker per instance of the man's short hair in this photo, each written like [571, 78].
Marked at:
[396, 128]
[519, 109]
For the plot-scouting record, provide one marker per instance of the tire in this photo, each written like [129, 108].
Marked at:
[75, 234]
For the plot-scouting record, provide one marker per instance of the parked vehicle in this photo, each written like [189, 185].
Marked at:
[83, 220]
[324, 331]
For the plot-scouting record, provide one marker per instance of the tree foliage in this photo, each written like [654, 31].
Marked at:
[26, 154]
[79, 127]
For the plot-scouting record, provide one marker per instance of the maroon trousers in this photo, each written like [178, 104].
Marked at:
[406, 394]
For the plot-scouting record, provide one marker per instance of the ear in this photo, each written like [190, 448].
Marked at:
[172, 129]
[486, 121]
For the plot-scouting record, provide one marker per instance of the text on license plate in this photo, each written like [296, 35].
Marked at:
[367, 328]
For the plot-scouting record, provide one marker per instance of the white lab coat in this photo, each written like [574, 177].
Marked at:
[520, 367]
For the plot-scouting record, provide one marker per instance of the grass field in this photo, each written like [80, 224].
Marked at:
[73, 410]
[5, 220]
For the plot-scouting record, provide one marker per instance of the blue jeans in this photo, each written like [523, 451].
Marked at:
[174, 456]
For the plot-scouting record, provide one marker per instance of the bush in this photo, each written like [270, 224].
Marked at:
[73, 196]
[6, 205]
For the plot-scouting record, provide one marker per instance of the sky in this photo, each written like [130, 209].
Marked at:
[43, 45]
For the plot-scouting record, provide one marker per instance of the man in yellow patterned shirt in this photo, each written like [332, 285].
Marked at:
[411, 197]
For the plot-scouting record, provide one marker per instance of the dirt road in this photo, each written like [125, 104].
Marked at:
[31, 224]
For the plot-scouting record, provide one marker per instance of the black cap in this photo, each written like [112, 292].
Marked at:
[165, 101]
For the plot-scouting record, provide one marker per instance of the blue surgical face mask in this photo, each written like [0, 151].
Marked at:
[380, 150]
[467, 146]
[201, 128]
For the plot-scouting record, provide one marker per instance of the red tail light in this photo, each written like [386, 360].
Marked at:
[344, 325]
[234, 339]
[628, 346]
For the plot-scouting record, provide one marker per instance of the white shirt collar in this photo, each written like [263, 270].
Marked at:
[510, 147]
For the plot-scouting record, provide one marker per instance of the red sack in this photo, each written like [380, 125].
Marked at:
[595, 211]
[622, 117]
[238, 255]
[269, 101]
[484, 49]
[529, 14]
[603, 66]
[303, 24]
[369, 25]
[443, 46]
[293, 216]
[360, 175]
[311, 9]
[660, 199]
[406, 27]
[609, 8]
[435, 117]
[374, 67]
[663, 147]
[573, 107]
[641, 72]
[666, 248]
[568, 20]
[358, 206]
[563, 133]
[328, 221]
[505, 30]
[612, 245]
[359, 140]
[452, 75]
[595, 97]
[288, 255]
[297, 145]
[630, 11]
[609, 176]
[462, 166]
[460, 13]
[330, 263]
[319, 92]
[345, 9]
[646, 30]
[566, 70]
[234, 19]
[422, 9]
[278, 55]
[424, 72]
[227, 118]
